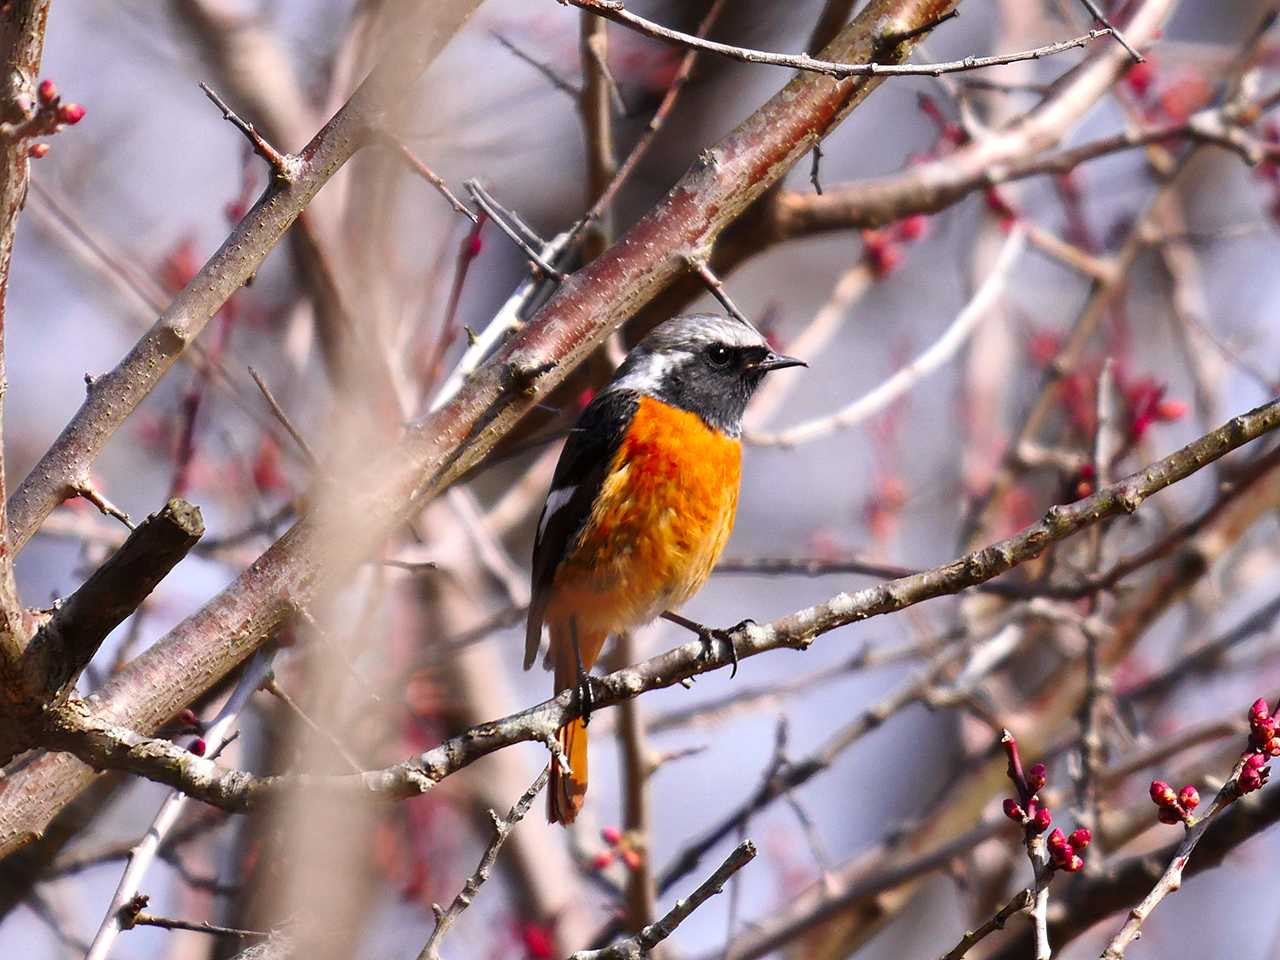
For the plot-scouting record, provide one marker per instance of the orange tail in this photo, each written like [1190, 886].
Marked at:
[569, 790]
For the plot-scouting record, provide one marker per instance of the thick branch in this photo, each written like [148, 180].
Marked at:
[64, 646]
[22, 26]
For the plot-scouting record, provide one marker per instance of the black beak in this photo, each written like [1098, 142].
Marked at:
[776, 361]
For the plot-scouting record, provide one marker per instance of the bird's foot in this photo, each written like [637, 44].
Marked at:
[712, 635]
[585, 696]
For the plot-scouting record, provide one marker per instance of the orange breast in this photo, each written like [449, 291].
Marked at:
[660, 522]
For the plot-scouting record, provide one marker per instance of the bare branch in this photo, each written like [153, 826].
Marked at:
[502, 828]
[616, 11]
[639, 946]
[106, 745]
[283, 166]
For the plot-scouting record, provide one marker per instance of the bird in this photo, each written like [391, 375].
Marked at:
[640, 506]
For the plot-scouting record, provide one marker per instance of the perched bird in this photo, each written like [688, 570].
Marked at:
[641, 504]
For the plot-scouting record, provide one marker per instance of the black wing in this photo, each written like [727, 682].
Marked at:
[584, 463]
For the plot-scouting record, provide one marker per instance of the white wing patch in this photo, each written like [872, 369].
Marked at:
[555, 500]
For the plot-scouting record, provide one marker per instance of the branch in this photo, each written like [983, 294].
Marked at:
[105, 744]
[1020, 903]
[639, 946]
[64, 646]
[1171, 879]
[433, 452]
[21, 48]
[502, 828]
[614, 10]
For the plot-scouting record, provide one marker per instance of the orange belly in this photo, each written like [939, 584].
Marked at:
[660, 522]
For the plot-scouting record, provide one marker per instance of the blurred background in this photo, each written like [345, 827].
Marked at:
[130, 203]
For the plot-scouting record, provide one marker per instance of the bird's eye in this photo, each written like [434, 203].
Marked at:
[719, 355]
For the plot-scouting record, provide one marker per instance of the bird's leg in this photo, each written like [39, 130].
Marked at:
[709, 636]
[586, 699]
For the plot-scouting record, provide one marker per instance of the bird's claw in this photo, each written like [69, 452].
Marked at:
[586, 697]
[709, 636]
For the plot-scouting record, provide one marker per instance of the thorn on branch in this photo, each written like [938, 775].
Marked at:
[283, 166]
[86, 490]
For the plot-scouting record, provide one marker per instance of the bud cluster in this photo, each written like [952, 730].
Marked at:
[1064, 851]
[1027, 809]
[619, 847]
[1264, 743]
[50, 115]
[882, 249]
[1174, 807]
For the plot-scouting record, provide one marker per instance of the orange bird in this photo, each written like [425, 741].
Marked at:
[641, 505]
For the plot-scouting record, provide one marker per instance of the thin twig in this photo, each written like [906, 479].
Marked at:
[634, 948]
[1020, 903]
[1119, 37]
[908, 376]
[272, 686]
[283, 166]
[504, 218]
[429, 175]
[502, 827]
[1171, 879]
[618, 13]
[278, 412]
[716, 288]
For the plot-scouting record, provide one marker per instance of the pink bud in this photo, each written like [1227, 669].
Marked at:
[631, 858]
[1013, 809]
[47, 91]
[38, 150]
[913, 227]
[1254, 761]
[611, 835]
[70, 113]
[1056, 840]
[1080, 838]
[1189, 797]
[602, 860]
[1073, 864]
[1162, 794]
[1170, 410]
[198, 746]
[1140, 77]
[1040, 822]
[1036, 777]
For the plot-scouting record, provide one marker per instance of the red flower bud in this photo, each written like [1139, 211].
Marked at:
[70, 113]
[47, 91]
[1140, 77]
[913, 227]
[1162, 794]
[1040, 822]
[1254, 761]
[1169, 815]
[38, 150]
[602, 860]
[1013, 809]
[611, 835]
[1036, 778]
[1056, 840]
[1189, 797]
[1259, 710]
[198, 746]
[187, 717]
[1080, 838]
[1073, 864]
[631, 858]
